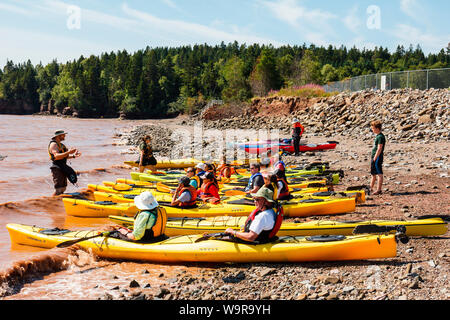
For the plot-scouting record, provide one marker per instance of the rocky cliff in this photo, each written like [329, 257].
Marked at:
[406, 114]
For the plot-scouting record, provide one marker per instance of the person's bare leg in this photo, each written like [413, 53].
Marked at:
[372, 183]
[380, 183]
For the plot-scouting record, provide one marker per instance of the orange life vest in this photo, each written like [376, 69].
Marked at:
[193, 193]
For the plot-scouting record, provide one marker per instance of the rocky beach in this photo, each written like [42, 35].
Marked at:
[417, 183]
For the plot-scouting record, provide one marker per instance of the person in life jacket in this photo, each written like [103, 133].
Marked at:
[194, 179]
[200, 171]
[225, 169]
[264, 222]
[209, 191]
[297, 132]
[270, 182]
[59, 154]
[256, 180]
[282, 186]
[146, 157]
[186, 195]
[149, 222]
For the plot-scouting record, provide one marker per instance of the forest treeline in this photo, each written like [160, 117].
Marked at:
[160, 82]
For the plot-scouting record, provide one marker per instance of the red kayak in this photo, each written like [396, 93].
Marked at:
[255, 149]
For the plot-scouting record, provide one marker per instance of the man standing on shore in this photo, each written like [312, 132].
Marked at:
[58, 155]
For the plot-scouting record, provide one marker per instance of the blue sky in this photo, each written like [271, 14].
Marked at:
[42, 30]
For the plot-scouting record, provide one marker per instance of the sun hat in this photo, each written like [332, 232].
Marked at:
[295, 120]
[265, 193]
[201, 165]
[145, 201]
[58, 133]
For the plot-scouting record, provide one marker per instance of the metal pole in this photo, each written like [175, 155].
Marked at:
[407, 80]
[428, 71]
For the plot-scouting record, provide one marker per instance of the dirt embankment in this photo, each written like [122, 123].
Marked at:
[406, 114]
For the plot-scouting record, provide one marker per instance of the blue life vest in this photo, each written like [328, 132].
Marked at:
[250, 181]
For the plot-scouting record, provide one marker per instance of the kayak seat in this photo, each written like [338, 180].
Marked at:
[326, 238]
[54, 232]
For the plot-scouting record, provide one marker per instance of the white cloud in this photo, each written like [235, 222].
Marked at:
[182, 32]
[412, 9]
[430, 42]
[313, 24]
[170, 3]
[15, 9]
[352, 20]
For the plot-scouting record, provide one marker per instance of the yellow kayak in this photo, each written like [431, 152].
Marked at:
[186, 226]
[301, 208]
[190, 249]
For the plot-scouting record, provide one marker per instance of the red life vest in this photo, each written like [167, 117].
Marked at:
[266, 235]
[284, 192]
[193, 193]
[205, 191]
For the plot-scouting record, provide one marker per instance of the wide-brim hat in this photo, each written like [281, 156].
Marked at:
[265, 193]
[201, 166]
[145, 201]
[59, 133]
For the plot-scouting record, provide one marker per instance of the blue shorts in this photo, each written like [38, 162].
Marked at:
[376, 167]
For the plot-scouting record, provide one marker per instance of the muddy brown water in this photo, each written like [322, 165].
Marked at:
[25, 197]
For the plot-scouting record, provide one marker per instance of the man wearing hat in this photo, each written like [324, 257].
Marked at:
[297, 132]
[186, 195]
[263, 223]
[149, 222]
[59, 154]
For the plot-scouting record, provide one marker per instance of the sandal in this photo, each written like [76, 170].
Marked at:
[377, 193]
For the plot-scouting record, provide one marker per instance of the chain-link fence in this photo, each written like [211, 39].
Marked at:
[414, 79]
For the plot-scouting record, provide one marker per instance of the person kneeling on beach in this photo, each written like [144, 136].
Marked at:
[186, 195]
[149, 222]
[264, 222]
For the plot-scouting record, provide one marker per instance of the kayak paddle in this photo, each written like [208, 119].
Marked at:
[69, 243]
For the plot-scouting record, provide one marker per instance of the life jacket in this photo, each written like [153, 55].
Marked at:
[222, 171]
[61, 149]
[298, 126]
[193, 193]
[205, 190]
[250, 181]
[198, 181]
[159, 227]
[284, 192]
[266, 235]
[273, 187]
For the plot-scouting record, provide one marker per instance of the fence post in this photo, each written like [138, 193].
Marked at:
[407, 80]
[428, 71]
